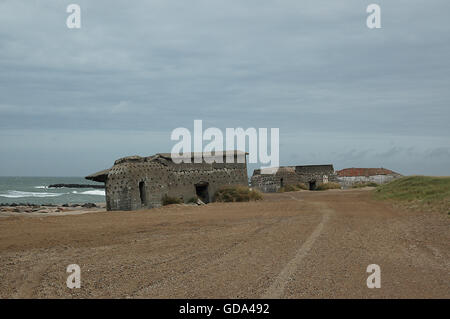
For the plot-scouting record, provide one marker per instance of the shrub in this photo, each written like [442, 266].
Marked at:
[192, 200]
[236, 194]
[329, 185]
[292, 188]
[167, 200]
[287, 188]
[302, 186]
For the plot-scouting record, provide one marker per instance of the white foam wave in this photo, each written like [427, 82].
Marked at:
[19, 194]
[98, 192]
[45, 187]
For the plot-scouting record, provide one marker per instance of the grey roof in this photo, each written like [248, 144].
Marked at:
[103, 175]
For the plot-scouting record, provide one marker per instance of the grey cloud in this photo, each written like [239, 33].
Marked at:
[303, 66]
[440, 152]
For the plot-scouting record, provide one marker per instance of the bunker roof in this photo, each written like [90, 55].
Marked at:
[99, 176]
[293, 169]
[206, 154]
[354, 171]
[103, 175]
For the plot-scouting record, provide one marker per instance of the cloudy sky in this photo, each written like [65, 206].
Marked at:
[72, 101]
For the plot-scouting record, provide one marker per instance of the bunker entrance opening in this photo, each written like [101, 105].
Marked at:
[312, 185]
[142, 192]
[201, 189]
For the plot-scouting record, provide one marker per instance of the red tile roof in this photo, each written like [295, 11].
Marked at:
[364, 171]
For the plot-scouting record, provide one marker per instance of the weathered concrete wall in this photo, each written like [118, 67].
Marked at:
[141, 182]
[122, 185]
[349, 181]
[310, 175]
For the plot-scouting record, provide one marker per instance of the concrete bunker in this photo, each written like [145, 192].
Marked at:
[136, 182]
[309, 175]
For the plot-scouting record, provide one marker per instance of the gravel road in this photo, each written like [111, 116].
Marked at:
[291, 245]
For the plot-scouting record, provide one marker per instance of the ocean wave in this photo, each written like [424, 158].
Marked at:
[41, 187]
[98, 192]
[19, 194]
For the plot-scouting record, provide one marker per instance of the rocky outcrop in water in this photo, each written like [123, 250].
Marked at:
[76, 186]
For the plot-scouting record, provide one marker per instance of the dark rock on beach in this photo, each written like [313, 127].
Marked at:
[89, 205]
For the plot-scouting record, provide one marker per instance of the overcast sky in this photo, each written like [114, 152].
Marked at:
[72, 101]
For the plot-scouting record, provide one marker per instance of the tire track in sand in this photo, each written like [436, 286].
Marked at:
[276, 290]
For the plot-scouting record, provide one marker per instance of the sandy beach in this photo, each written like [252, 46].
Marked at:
[23, 210]
[291, 245]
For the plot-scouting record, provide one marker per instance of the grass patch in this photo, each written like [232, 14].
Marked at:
[236, 194]
[292, 188]
[192, 200]
[419, 192]
[329, 185]
[369, 184]
[168, 200]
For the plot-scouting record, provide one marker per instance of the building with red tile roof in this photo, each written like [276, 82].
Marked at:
[348, 177]
[364, 171]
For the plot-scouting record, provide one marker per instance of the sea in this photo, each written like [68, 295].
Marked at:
[34, 190]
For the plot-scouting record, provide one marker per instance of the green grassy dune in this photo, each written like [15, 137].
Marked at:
[418, 192]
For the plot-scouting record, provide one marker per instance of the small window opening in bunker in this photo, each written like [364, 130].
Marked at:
[281, 182]
[312, 185]
[201, 189]
[142, 192]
